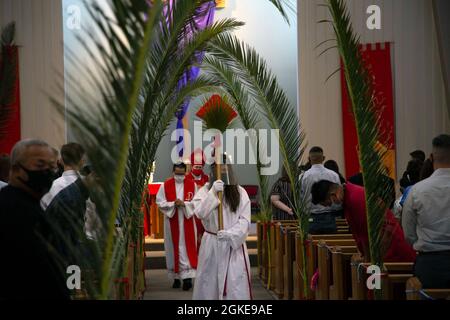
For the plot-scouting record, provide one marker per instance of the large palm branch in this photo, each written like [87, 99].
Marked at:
[8, 67]
[144, 53]
[254, 91]
[366, 115]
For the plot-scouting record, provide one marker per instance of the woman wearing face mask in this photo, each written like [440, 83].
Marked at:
[223, 271]
[180, 235]
[352, 198]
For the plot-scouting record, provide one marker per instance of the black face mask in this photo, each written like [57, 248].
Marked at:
[39, 181]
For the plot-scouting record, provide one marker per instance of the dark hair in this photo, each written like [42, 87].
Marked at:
[427, 170]
[232, 197]
[413, 169]
[72, 154]
[418, 154]
[316, 150]
[441, 146]
[332, 165]
[442, 142]
[320, 191]
[180, 165]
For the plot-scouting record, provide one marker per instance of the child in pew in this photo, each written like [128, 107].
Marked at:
[352, 197]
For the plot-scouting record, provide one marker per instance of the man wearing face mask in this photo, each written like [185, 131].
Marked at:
[180, 235]
[352, 198]
[200, 178]
[28, 265]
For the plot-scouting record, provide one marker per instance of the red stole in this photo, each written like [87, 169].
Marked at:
[200, 183]
[189, 231]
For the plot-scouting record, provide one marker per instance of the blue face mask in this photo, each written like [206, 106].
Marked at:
[40, 181]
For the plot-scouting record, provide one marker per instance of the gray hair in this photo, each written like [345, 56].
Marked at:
[21, 146]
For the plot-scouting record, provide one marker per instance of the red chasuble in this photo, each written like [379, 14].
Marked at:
[201, 182]
[189, 230]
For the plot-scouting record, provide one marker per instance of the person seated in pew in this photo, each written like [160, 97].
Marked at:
[426, 220]
[352, 197]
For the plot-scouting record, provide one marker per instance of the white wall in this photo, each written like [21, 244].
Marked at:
[40, 37]
[419, 93]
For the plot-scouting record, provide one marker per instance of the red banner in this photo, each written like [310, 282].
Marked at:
[13, 124]
[378, 61]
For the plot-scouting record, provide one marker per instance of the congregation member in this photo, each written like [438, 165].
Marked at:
[67, 213]
[224, 267]
[426, 219]
[174, 199]
[417, 156]
[24, 229]
[333, 166]
[200, 178]
[323, 218]
[281, 199]
[5, 166]
[412, 173]
[352, 198]
[72, 158]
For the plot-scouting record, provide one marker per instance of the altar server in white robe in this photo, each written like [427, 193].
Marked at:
[174, 200]
[223, 271]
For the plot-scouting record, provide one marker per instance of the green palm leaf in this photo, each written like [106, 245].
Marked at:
[364, 109]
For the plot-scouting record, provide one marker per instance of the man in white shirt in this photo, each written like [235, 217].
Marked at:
[426, 220]
[72, 157]
[322, 218]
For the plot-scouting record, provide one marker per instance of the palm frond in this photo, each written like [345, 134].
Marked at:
[367, 120]
[283, 6]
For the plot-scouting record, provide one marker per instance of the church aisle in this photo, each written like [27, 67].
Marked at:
[159, 287]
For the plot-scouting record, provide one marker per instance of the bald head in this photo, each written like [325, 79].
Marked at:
[441, 151]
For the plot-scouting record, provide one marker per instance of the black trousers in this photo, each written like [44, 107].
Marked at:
[433, 270]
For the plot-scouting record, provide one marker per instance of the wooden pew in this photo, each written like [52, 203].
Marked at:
[324, 248]
[414, 291]
[310, 249]
[288, 233]
[269, 247]
[395, 276]
[279, 251]
[341, 272]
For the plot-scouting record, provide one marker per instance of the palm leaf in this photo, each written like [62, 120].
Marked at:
[367, 120]
[256, 91]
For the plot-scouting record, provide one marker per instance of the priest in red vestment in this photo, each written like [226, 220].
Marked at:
[200, 178]
[352, 197]
[180, 232]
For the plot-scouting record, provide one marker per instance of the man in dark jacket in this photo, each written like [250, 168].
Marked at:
[28, 267]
